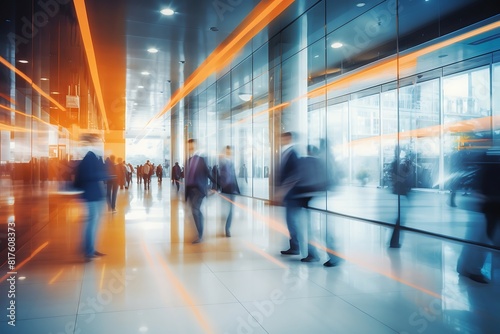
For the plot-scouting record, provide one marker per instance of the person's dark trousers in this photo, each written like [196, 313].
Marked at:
[292, 212]
[195, 198]
[111, 192]
[229, 219]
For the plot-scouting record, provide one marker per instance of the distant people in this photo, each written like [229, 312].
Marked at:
[286, 181]
[196, 184]
[129, 169]
[159, 173]
[176, 175]
[228, 183]
[89, 177]
[111, 183]
[120, 173]
[146, 174]
[472, 258]
[139, 174]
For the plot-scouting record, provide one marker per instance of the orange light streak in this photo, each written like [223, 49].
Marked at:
[372, 268]
[20, 265]
[56, 277]
[83, 22]
[391, 64]
[360, 263]
[101, 282]
[259, 17]
[266, 255]
[179, 287]
[25, 115]
[275, 225]
[33, 85]
[8, 98]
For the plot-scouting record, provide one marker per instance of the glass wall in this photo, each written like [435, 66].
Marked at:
[389, 98]
[45, 98]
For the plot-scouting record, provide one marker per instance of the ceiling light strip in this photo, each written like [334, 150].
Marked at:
[83, 22]
[30, 81]
[264, 13]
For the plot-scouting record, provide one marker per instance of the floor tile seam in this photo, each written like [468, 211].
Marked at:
[369, 315]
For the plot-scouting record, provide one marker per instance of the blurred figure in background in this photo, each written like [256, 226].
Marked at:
[176, 175]
[228, 183]
[111, 183]
[159, 173]
[146, 174]
[89, 177]
[472, 259]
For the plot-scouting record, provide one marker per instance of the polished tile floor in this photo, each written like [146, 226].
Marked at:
[153, 280]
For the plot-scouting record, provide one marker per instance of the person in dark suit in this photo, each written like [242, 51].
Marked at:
[228, 183]
[288, 175]
[197, 175]
[112, 183]
[176, 175]
[89, 177]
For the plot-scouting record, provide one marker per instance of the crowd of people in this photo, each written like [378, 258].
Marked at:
[298, 180]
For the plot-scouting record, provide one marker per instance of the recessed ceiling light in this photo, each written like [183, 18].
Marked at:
[44, 79]
[140, 86]
[245, 96]
[167, 11]
[316, 56]
[24, 61]
[55, 93]
[337, 45]
[360, 4]
[152, 50]
[145, 73]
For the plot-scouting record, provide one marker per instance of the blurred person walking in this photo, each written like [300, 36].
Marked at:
[472, 258]
[111, 183]
[89, 177]
[228, 183]
[288, 176]
[176, 175]
[197, 175]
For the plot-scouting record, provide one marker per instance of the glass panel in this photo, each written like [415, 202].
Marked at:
[241, 74]
[260, 61]
[261, 138]
[223, 86]
[241, 107]
[365, 129]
